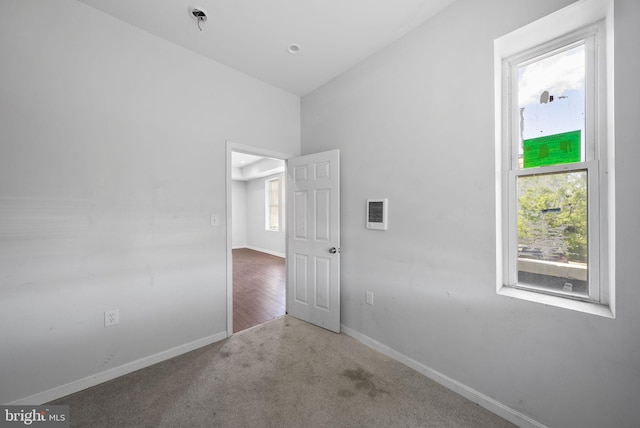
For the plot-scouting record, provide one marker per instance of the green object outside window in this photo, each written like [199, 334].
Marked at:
[552, 150]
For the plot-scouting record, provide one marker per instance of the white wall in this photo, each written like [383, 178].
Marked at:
[112, 159]
[258, 237]
[238, 214]
[415, 124]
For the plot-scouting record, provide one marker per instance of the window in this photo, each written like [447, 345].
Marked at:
[273, 206]
[555, 175]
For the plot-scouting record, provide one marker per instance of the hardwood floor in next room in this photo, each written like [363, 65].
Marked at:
[258, 288]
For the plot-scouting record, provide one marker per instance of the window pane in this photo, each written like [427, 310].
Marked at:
[551, 102]
[273, 192]
[273, 204]
[273, 217]
[552, 231]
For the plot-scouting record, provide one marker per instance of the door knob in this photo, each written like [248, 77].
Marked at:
[334, 250]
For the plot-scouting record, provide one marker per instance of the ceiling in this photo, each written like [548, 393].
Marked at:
[240, 160]
[247, 167]
[253, 36]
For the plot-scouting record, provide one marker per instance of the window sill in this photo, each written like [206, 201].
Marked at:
[559, 302]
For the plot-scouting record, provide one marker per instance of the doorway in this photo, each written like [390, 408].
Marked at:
[256, 239]
[258, 288]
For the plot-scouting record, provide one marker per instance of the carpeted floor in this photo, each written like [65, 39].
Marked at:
[285, 373]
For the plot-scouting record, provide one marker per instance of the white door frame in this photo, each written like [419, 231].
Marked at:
[236, 147]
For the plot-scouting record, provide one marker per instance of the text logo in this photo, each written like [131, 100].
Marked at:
[34, 416]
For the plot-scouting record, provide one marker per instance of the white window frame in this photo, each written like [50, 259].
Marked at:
[268, 204]
[546, 37]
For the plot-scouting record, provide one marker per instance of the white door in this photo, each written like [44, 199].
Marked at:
[313, 243]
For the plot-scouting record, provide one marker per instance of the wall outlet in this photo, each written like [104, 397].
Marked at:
[111, 317]
[370, 298]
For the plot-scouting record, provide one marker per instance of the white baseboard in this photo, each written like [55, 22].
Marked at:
[98, 378]
[477, 397]
[262, 250]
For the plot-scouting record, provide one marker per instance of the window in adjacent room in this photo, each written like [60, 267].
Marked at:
[273, 206]
[554, 176]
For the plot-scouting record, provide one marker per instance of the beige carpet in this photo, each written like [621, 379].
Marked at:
[285, 373]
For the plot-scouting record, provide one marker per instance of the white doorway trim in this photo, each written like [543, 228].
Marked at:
[236, 147]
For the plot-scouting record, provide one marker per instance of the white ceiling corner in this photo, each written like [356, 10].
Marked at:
[252, 36]
[245, 167]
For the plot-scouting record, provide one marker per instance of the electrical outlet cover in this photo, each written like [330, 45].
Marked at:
[111, 317]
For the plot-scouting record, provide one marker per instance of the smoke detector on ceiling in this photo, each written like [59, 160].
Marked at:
[294, 48]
